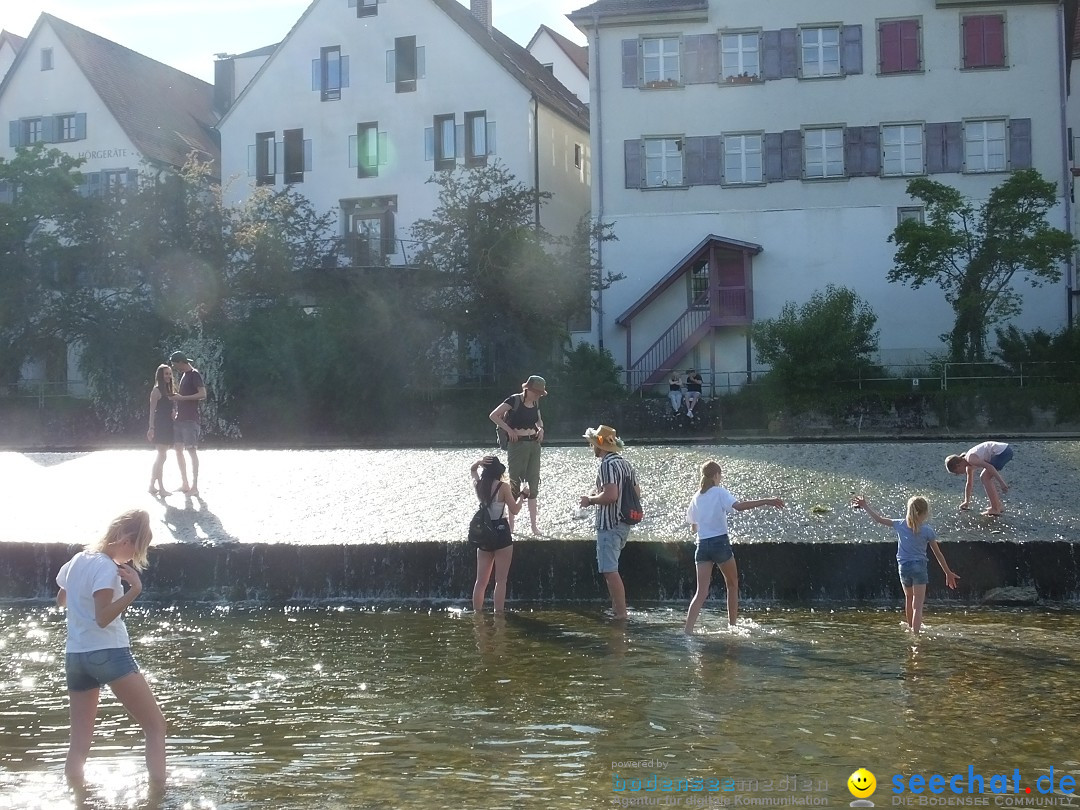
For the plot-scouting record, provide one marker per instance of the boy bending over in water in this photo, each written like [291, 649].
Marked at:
[990, 457]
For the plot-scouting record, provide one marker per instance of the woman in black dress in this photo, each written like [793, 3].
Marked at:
[161, 424]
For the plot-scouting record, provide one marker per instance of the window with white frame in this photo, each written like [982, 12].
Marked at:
[901, 150]
[33, 131]
[740, 55]
[476, 145]
[367, 8]
[984, 145]
[330, 73]
[265, 159]
[367, 149]
[445, 142]
[67, 127]
[909, 213]
[742, 158]
[820, 51]
[663, 162]
[823, 152]
[660, 60]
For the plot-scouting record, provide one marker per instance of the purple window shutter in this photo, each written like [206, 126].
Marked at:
[713, 162]
[910, 56]
[851, 50]
[890, 49]
[772, 149]
[701, 59]
[789, 53]
[934, 146]
[871, 151]
[630, 72]
[994, 40]
[791, 145]
[633, 165]
[770, 55]
[693, 152]
[853, 151]
[954, 146]
[1020, 143]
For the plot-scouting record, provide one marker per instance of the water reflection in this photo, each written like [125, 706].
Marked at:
[353, 496]
[376, 708]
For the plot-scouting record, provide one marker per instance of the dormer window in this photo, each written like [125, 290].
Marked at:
[46, 59]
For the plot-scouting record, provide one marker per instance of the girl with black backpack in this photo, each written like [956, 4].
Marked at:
[489, 481]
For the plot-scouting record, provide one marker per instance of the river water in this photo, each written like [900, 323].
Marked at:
[338, 707]
[381, 496]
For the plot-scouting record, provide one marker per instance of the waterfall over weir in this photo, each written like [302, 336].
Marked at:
[390, 524]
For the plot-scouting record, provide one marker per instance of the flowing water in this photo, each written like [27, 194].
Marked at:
[347, 707]
[381, 496]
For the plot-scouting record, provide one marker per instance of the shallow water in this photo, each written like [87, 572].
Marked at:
[377, 496]
[360, 708]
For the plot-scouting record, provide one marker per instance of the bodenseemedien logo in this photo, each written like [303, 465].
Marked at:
[862, 785]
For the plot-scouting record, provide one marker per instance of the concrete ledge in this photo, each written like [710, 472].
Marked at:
[553, 571]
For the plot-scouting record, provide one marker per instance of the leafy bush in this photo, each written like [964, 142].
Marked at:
[590, 373]
[1039, 352]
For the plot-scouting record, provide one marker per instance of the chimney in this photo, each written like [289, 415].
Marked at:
[481, 9]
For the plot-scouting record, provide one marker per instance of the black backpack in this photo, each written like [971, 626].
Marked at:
[487, 534]
[630, 511]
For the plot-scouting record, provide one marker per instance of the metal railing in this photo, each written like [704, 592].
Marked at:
[675, 336]
[43, 390]
[944, 375]
[713, 382]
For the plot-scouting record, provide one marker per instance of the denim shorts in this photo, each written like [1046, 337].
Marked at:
[186, 432]
[92, 670]
[609, 544]
[1002, 458]
[713, 549]
[913, 572]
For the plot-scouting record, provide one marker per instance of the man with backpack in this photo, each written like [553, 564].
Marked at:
[618, 497]
[520, 429]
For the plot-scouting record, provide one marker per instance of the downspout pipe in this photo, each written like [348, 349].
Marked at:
[598, 161]
[1066, 175]
[536, 161]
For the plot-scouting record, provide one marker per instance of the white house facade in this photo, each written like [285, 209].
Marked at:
[120, 111]
[564, 58]
[364, 101]
[10, 45]
[749, 154]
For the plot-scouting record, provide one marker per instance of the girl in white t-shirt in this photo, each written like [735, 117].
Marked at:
[707, 516]
[98, 649]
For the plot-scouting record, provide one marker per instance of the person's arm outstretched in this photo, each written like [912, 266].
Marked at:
[968, 481]
[742, 506]
[950, 577]
[861, 502]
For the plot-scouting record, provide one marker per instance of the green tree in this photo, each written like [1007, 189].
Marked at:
[503, 287]
[831, 337]
[974, 253]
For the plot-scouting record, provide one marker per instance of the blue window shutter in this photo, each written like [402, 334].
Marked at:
[251, 160]
[630, 71]
[307, 155]
[693, 153]
[789, 53]
[853, 151]
[93, 184]
[871, 151]
[279, 157]
[954, 146]
[934, 148]
[851, 56]
[491, 137]
[773, 157]
[80, 126]
[459, 141]
[316, 74]
[713, 160]
[133, 178]
[429, 143]
[770, 54]
[344, 71]
[633, 165]
[354, 154]
[384, 149]
[391, 67]
[701, 59]
[15, 130]
[1020, 143]
[792, 148]
[48, 129]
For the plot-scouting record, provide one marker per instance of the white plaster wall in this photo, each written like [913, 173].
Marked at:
[245, 70]
[568, 184]
[547, 51]
[814, 233]
[7, 56]
[460, 77]
[64, 89]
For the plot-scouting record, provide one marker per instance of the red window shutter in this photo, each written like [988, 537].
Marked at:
[994, 40]
[889, 47]
[973, 42]
[910, 58]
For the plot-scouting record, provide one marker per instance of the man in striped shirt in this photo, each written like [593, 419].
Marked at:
[611, 532]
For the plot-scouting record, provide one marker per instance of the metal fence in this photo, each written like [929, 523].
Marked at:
[44, 390]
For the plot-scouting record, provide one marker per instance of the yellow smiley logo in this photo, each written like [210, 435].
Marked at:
[862, 784]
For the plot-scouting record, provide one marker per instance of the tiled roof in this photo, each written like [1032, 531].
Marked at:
[615, 8]
[15, 40]
[166, 112]
[521, 64]
[578, 54]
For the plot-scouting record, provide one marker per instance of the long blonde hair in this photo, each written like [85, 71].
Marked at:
[918, 512]
[133, 523]
[708, 471]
